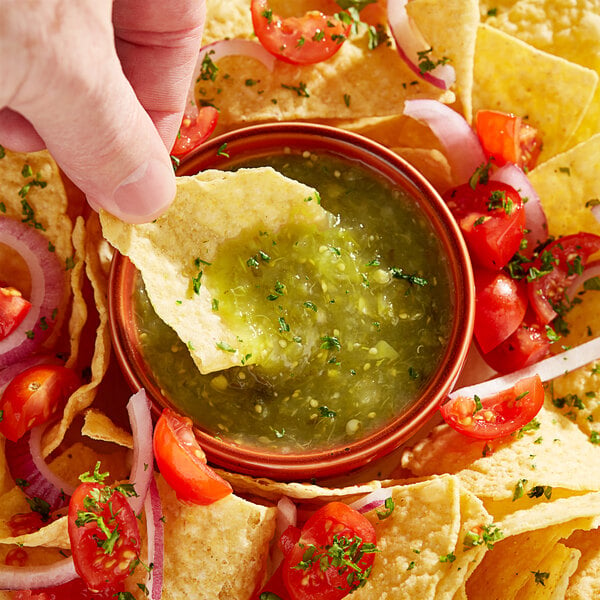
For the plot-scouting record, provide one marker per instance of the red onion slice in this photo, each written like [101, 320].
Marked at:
[410, 42]
[463, 150]
[596, 212]
[42, 576]
[535, 217]
[156, 536]
[47, 290]
[25, 462]
[547, 369]
[591, 270]
[287, 515]
[371, 501]
[216, 51]
[142, 469]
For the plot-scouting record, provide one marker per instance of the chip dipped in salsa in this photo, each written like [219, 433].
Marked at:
[341, 326]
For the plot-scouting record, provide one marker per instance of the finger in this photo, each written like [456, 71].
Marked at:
[158, 45]
[91, 120]
[17, 133]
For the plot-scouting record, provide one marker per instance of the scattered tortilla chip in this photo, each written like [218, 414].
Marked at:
[421, 543]
[451, 31]
[565, 183]
[209, 209]
[566, 28]
[511, 566]
[552, 93]
[516, 468]
[224, 547]
[98, 426]
[53, 535]
[585, 582]
[432, 164]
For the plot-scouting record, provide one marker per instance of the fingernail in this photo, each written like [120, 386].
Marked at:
[145, 194]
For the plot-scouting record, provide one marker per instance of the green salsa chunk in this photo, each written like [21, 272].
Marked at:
[345, 324]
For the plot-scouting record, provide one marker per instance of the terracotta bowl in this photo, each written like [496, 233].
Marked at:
[234, 148]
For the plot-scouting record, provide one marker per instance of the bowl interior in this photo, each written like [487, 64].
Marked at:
[228, 152]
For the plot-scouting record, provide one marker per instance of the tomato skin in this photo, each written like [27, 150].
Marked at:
[101, 570]
[506, 138]
[500, 305]
[13, 309]
[333, 519]
[493, 234]
[527, 345]
[34, 396]
[182, 462]
[193, 133]
[566, 255]
[298, 40]
[500, 415]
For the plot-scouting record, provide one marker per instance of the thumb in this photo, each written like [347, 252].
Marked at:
[94, 126]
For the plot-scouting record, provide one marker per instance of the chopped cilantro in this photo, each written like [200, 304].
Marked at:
[225, 347]
[389, 509]
[326, 412]
[398, 273]
[329, 342]
[537, 491]
[541, 577]
[449, 558]
[222, 150]
[519, 489]
[300, 89]
[426, 64]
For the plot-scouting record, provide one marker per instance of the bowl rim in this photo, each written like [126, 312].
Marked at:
[320, 463]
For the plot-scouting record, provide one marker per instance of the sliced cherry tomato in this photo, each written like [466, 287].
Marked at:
[298, 40]
[24, 523]
[554, 269]
[491, 217]
[183, 463]
[527, 345]
[507, 138]
[310, 571]
[500, 305]
[498, 415]
[193, 132]
[34, 396]
[104, 536]
[13, 309]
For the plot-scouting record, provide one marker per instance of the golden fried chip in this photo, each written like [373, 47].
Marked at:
[224, 550]
[181, 245]
[520, 473]
[552, 93]
[567, 28]
[421, 545]
[451, 33]
[568, 185]
[585, 582]
[53, 535]
[98, 426]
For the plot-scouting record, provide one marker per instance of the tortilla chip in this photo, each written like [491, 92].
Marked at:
[215, 551]
[526, 460]
[209, 209]
[451, 32]
[510, 567]
[421, 542]
[98, 426]
[53, 535]
[566, 28]
[585, 582]
[432, 164]
[552, 93]
[355, 82]
[565, 183]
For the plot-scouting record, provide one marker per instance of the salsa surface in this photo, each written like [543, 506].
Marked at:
[347, 323]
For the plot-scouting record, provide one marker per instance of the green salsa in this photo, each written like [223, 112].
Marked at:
[346, 323]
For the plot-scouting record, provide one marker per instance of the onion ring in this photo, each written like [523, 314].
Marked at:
[463, 150]
[155, 537]
[37, 577]
[47, 290]
[411, 45]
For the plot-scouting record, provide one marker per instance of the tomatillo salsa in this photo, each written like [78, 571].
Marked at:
[349, 322]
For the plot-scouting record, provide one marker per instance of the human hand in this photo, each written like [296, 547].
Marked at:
[103, 86]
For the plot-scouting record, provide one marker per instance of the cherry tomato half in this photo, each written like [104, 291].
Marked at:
[193, 132]
[298, 40]
[498, 415]
[183, 463]
[13, 309]
[333, 529]
[554, 269]
[527, 345]
[491, 217]
[507, 138]
[500, 305]
[34, 396]
[104, 536]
